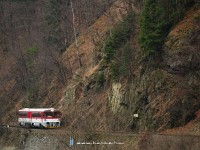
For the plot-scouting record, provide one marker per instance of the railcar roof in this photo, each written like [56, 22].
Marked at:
[38, 109]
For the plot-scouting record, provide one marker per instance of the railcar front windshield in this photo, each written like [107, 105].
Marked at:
[22, 114]
[56, 114]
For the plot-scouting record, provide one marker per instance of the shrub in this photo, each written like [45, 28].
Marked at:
[119, 36]
[32, 50]
[124, 66]
[100, 79]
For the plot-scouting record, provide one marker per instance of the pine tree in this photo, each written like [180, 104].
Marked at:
[153, 27]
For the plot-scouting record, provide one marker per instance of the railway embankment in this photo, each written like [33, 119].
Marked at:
[59, 139]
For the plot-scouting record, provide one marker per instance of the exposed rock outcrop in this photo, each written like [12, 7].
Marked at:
[181, 49]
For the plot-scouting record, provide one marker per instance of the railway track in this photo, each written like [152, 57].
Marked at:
[63, 130]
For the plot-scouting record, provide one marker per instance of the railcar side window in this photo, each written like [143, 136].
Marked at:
[52, 114]
[48, 114]
[35, 114]
[22, 114]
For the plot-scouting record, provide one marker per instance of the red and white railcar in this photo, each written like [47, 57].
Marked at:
[39, 117]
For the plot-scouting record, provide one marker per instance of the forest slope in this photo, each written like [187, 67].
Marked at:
[109, 88]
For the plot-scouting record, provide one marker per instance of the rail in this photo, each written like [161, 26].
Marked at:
[7, 126]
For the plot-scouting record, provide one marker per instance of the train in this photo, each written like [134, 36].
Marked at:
[39, 117]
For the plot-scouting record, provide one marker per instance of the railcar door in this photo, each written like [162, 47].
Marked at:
[23, 116]
[29, 117]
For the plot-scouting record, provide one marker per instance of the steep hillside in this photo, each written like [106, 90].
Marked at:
[115, 81]
[163, 93]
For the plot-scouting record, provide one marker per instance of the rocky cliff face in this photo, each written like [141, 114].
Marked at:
[163, 91]
[181, 49]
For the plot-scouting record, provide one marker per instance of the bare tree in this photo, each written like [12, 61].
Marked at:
[75, 34]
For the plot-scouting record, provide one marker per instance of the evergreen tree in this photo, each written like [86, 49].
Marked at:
[153, 27]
